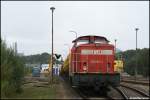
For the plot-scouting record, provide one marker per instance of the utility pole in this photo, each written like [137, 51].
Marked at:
[115, 47]
[136, 29]
[15, 48]
[52, 8]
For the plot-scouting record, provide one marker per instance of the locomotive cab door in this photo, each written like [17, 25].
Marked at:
[108, 63]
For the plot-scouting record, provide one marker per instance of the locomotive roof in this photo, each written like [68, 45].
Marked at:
[88, 37]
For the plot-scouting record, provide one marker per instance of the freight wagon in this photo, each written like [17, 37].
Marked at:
[118, 66]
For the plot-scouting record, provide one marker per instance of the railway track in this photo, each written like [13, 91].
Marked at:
[85, 92]
[139, 80]
[124, 91]
[90, 94]
[136, 82]
[143, 93]
[133, 78]
[129, 92]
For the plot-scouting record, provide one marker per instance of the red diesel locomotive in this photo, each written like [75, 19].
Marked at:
[92, 62]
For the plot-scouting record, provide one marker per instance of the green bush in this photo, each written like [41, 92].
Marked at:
[12, 70]
[142, 57]
[27, 70]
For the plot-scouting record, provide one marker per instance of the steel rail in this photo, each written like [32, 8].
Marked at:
[134, 89]
[122, 92]
[136, 82]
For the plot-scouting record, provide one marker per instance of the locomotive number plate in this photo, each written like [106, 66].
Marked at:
[96, 52]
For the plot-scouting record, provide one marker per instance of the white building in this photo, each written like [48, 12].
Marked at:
[44, 67]
[56, 69]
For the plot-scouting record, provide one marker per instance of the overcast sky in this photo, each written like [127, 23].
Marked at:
[29, 23]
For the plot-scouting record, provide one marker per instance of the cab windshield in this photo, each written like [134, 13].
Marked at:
[80, 42]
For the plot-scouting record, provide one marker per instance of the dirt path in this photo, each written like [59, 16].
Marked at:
[65, 91]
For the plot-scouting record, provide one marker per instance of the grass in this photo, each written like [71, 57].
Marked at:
[30, 92]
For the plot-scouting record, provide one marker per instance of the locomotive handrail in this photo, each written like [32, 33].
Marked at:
[76, 62]
[75, 54]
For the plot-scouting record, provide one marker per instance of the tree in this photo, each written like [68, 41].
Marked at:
[129, 57]
[43, 58]
[12, 68]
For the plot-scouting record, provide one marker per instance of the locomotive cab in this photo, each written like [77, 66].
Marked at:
[92, 62]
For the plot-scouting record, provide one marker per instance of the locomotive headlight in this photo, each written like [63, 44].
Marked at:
[84, 66]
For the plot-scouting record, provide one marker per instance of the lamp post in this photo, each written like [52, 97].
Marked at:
[52, 8]
[136, 29]
[115, 45]
[115, 48]
[74, 32]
